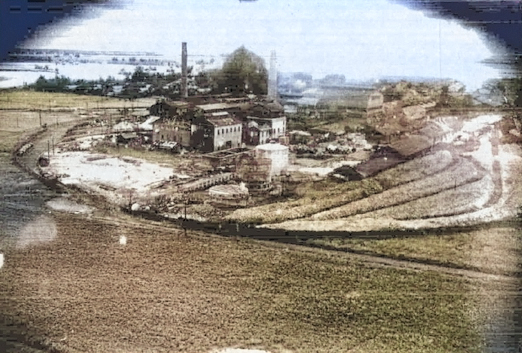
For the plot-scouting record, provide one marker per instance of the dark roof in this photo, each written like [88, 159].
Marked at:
[346, 173]
[175, 104]
[273, 106]
[378, 164]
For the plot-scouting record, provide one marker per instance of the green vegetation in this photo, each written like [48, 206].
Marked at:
[310, 304]
[242, 72]
[490, 250]
[138, 84]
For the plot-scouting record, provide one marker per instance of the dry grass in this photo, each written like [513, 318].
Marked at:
[414, 170]
[317, 198]
[32, 100]
[13, 120]
[463, 199]
[490, 250]
[166, 293]
[8, 140]
[460, 174]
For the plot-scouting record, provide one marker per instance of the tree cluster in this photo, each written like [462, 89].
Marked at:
[242, 72]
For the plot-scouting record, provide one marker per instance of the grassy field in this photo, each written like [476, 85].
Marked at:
[166, 293]
[32, 100]
[8, 140]
[492, 250]
[315, 197]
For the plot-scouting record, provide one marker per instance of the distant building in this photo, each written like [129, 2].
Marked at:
[272, 78]
[216, 131]
[265, 117]
[170, 109]
[276, 127]
[352, 98]
[173, 123]
[256, 133]
[171, 130]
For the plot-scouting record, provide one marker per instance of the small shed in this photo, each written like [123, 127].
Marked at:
[346, 173]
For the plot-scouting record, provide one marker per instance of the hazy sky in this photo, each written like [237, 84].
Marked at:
[358, 38]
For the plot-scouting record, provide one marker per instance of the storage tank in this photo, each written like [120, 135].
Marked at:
[277, 153]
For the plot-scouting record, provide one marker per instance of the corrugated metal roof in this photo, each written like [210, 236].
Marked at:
[223, 121]
[216, 106]
[219, 113]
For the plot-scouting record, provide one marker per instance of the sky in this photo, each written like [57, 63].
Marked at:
[358, 38]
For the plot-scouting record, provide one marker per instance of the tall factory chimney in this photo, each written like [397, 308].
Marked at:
[272, 77]
[184, 88]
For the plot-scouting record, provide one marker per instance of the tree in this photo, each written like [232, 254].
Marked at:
[139, 75]
[243, 72]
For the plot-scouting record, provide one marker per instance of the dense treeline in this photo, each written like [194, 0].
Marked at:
[242, 72]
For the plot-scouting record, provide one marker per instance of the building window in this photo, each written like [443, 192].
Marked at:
[217, 131]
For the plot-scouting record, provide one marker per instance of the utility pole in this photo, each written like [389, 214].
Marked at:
[40, 115]
[185, 221]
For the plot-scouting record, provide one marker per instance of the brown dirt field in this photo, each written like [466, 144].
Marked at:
[24, 99]
[167, 293]
[12, 120]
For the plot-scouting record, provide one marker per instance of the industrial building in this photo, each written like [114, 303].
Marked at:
[216, 131]
[218, 124]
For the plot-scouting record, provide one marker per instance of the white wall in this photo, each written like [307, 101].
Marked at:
[278, 126]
